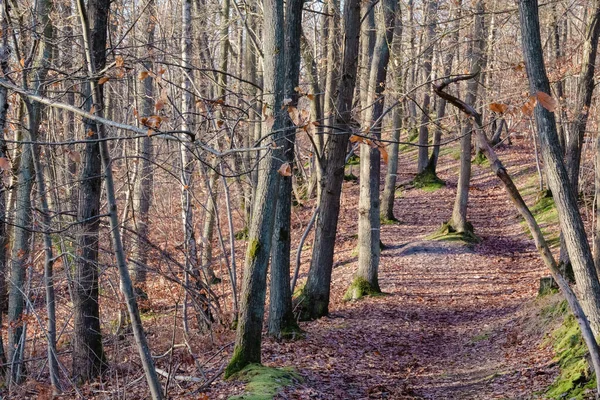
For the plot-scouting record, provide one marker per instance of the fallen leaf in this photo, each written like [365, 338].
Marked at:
[285, 169]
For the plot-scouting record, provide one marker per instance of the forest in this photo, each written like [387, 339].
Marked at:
[300, 199]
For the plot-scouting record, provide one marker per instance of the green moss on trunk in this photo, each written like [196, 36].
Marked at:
[428, 181]
[359, 288]
[448, 233]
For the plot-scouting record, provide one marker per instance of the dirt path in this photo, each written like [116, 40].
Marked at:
[448, 328]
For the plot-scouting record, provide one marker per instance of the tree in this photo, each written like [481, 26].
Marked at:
[247, 347]
[314, 299]
[369, 224]
[88, 353]
[571, 223]
[281, 317]
[458, 222]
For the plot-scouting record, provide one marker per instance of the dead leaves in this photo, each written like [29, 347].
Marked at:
[374, 144]
[285, 169]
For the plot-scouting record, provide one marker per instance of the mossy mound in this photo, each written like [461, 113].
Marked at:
[428, 181]
[242, 234]
[353, 160]
[359, 288]
[389, 221]
[546, 215]
[263, 383]
[447, 233]
[480, 159]
[350, 177]
[575, 380]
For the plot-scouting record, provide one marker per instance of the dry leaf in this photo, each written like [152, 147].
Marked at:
[119, 61]
[528, 107]
[355, 138]
[103, 80]
[498, 107]
[143, 75]
[285, 169]
[159, 105]
[384, 153]
[4, 164]
[294, 115]
[74, 156]
[547, 101]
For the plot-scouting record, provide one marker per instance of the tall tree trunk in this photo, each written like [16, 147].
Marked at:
[459, 222]
[441, 105]
[247, 347]
[125, 283]
[573, 143]
[88, 352]
[281, 317]
[367, 45]
[4, 105]
[366, 280]
[315, 295]
[142, 197]
[570, 220]
[431, 18]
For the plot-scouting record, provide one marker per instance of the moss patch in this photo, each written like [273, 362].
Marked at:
[242, 234]
[263, 383]
[447, 233]
[353, 160]
[480, 159]
[575, 378]
[546, 215]
[350, 177]
[385, 221]
[359, 288]
[253, 248]
[428, 181]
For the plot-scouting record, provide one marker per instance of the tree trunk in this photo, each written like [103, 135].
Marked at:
[431, 16]
[315, 295]
[441, 105]
[281, 317]
[88, 353]
[571, 223]
[247, 347]
[143, 187]
[366, 280]
[459, 221]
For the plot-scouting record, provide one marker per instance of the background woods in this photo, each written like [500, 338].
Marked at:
[191, 188]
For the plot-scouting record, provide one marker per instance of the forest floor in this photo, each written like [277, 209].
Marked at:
[454, 321]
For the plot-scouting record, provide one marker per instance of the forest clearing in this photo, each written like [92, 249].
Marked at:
[324, 199]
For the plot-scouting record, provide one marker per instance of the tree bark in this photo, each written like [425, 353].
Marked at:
[88, 352]
[459, 221]
[315, 295]
[366, 280]
[431, 15]
[281, 317]
[142, 198]
[247, 347]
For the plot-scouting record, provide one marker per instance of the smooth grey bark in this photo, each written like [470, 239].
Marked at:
[187, 161]
[314, 301]
[441, 105]
[429, 39]
[316, 113]
[366, 280]
[570, 220]
[88, 353]
[458, 221]
[282, 322]
[332, 72]
[389, 191]
[572, 143]
[142, 198]
[20, 256]
[367, 45]
[247, 347]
